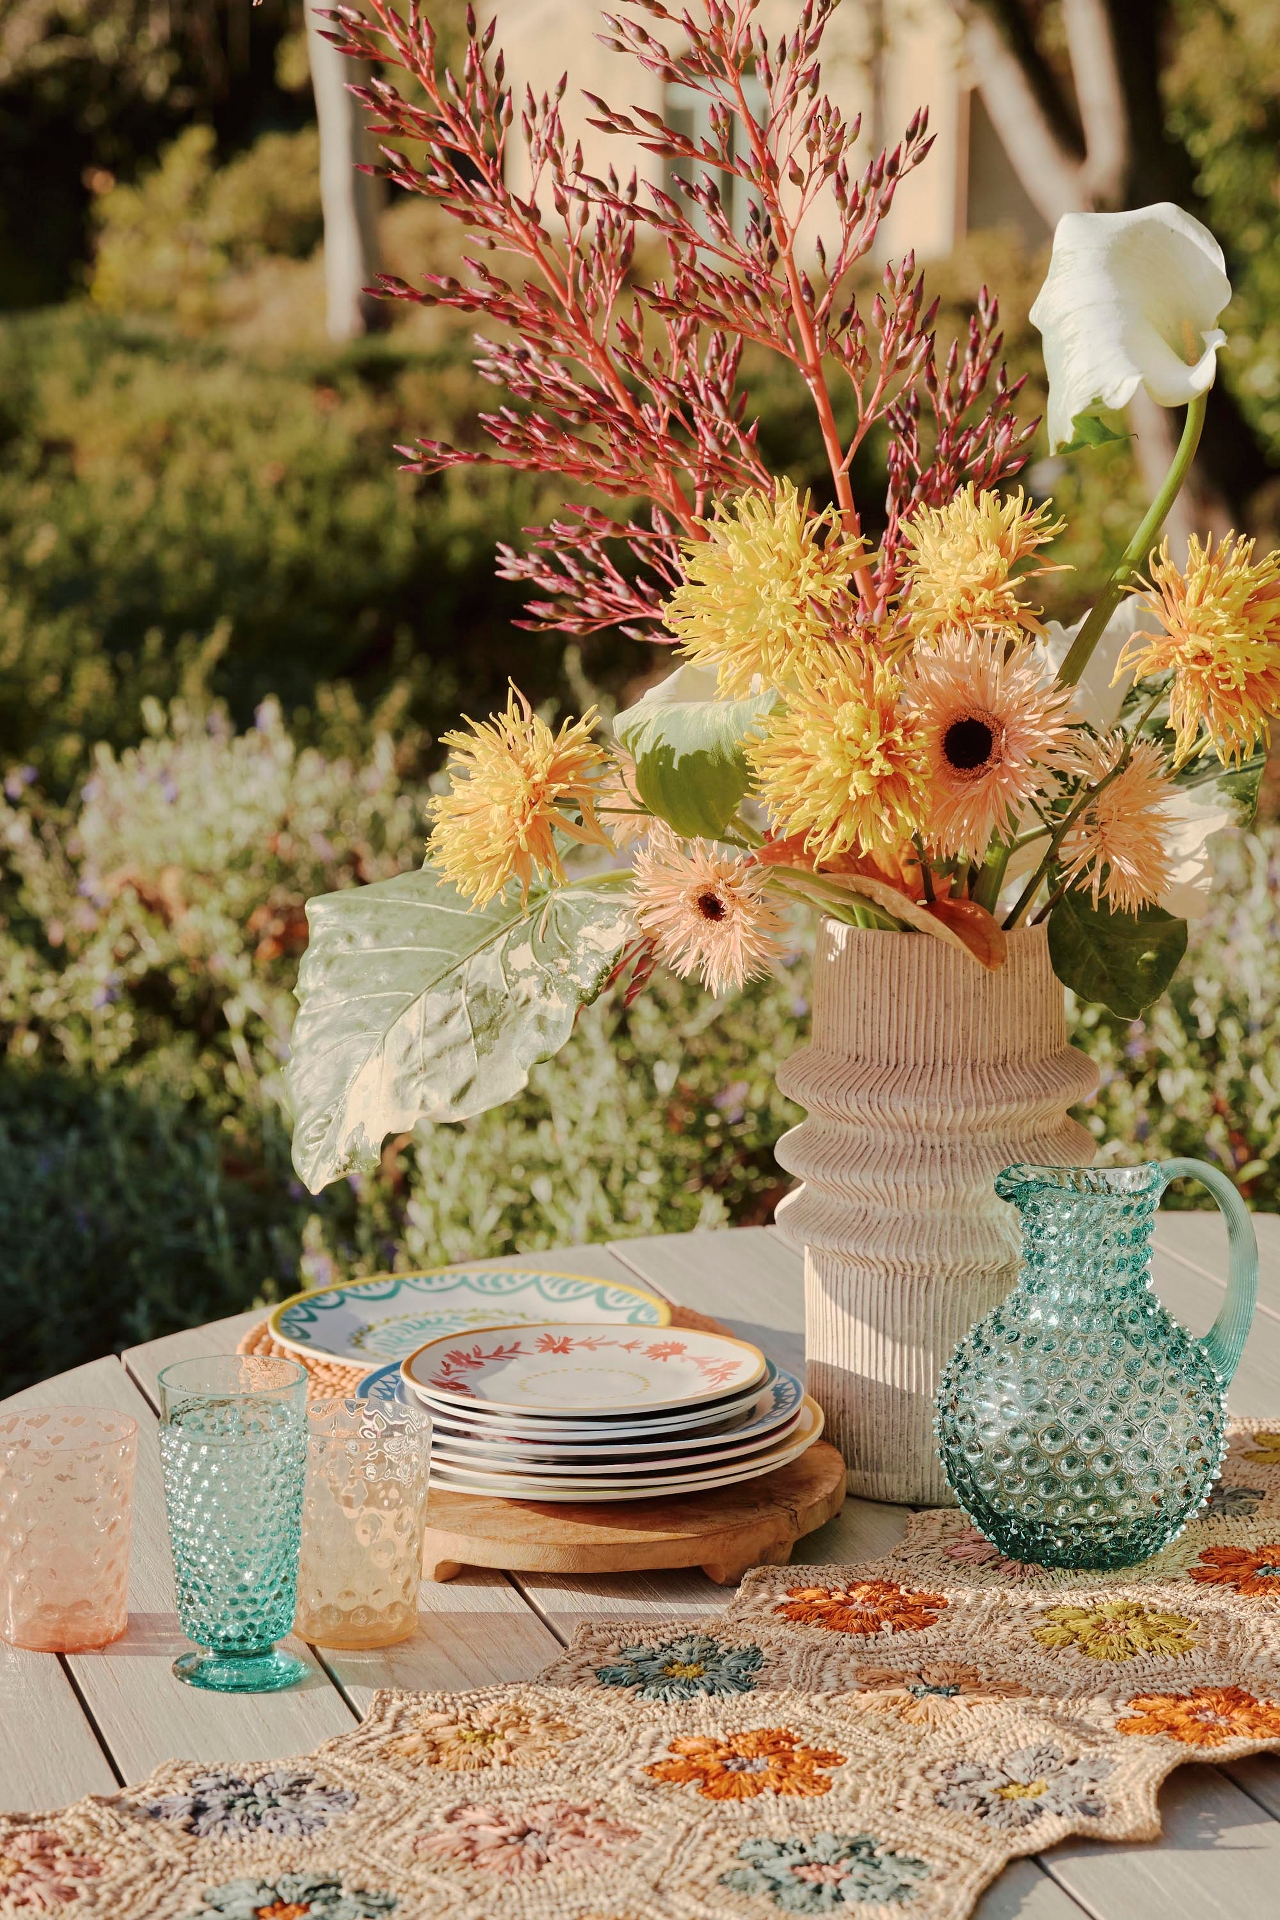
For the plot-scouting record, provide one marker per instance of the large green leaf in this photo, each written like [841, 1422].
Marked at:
[690, 767]
[413, 1007]
[1124, 960]
[1087, 430]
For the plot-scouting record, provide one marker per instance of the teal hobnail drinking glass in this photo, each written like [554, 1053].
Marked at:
[233, 1446]
[1079, 1424]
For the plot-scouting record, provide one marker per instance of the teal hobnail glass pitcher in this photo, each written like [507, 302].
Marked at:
[1079, 1423]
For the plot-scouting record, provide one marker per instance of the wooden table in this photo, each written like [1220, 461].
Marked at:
[83, 1723]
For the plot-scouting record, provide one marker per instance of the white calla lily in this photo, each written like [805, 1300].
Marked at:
[1094, 698]
[1130, 300]
[1191, 822]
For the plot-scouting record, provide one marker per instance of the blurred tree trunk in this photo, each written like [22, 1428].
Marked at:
[1089, 133]
[350, 199]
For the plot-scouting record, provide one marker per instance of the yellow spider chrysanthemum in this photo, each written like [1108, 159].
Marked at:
[763, 591]
[1221, 620]
[512, 779]
[844, 762]
[961, 560]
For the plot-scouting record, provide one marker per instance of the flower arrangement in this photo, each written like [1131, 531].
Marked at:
[886, 730]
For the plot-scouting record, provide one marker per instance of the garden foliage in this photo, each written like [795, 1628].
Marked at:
[152, 927]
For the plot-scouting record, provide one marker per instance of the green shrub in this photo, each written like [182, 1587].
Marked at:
[122, 1220]
[168, 244]
[155, 489]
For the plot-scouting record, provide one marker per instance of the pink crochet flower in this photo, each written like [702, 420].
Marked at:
[557, 1833]
[38, 1871]
[973, 1549]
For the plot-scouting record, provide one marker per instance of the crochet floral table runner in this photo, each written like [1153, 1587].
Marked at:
[874, 1740]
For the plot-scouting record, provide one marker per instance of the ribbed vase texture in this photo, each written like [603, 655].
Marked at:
[925, 1076]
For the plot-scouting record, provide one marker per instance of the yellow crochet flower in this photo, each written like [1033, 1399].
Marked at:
[962, 557]
[470, 1740]
[512, 780]
[1116, 1630]
[844, 762]
[1221, 620]
[763, 591]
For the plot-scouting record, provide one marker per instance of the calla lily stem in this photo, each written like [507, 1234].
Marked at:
[1135, 554]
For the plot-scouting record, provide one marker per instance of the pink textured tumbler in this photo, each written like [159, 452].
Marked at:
[66, 1517]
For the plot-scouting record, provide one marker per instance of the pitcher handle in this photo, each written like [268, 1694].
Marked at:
[1224, 1342]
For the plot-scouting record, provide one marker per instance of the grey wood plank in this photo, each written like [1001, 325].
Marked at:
[49, 1754]
[1217, 1858]
[475, 1631]
[1259, 1777]
[600, 1262]
[143, 1714]
[144, 1362]
[746, 1276]
[1199, 1240]
[1024, 1891]
[862, 1530]
[566, 1601]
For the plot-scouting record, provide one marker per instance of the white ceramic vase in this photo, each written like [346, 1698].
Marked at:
[924, 1076]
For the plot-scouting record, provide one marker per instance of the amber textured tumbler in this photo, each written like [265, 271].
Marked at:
[66, 1520]
[362, 1523]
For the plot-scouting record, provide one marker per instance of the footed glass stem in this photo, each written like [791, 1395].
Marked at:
[1079, 1424]
[269, 1671]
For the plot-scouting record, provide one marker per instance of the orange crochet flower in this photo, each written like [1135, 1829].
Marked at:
[1205, 1717]
[1256, 1574]
[868, 1606]
[742, 1765]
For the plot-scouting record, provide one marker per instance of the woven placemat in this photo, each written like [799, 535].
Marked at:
[880, 1738]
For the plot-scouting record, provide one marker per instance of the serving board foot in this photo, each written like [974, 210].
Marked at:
[723, 1531]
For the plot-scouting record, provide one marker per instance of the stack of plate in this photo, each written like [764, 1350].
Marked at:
[571, 1412]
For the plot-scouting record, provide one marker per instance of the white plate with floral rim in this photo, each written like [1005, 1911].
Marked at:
[496, 1424]
[620, 1466]
[768, 1403]
[391, 1314]
[564, 1367]
[522, 1486]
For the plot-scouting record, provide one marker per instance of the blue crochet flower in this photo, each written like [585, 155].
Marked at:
[313, 1894]
[1013, 1792]
[224, 1805]
[1233, 1503]
[829, 1871]
[682, 1669]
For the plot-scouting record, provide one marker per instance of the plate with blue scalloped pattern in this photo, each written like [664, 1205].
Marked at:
[371, 1322]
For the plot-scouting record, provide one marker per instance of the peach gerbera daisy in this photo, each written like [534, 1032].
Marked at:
[994, 730]
[1119, 846]
[1221, 639]
[843, 763]
[513, 783]
[761, 593]
[961, 560]
[706, 911]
